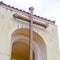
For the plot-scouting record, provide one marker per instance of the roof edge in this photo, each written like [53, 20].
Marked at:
[1, 3]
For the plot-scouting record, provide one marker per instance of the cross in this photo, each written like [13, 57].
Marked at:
[31, 32]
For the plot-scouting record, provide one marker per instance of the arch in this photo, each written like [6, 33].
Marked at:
[25, 32]
[25, 41]
[36, 38]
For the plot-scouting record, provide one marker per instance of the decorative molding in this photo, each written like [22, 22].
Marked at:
[27, 20]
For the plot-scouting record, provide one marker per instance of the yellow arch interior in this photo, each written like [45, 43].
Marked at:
[20, 50]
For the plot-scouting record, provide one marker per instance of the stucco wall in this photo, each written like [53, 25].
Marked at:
[8, 24]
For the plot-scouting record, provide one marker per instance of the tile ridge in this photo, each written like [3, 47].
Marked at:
[26, 12]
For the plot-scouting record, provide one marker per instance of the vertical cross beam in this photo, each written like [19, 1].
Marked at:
[31, 32]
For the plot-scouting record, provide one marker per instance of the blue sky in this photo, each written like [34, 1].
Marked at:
[49, 9]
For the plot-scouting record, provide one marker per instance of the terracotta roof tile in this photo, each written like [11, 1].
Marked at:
[25, 12]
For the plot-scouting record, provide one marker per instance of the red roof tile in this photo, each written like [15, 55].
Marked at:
[25, 12]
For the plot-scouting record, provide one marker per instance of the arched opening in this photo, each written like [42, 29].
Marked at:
[20, 51]
[20, 45]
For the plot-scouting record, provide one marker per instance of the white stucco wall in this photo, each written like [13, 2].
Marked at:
[8, 25]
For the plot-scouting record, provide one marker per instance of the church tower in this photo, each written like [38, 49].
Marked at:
[15, 36]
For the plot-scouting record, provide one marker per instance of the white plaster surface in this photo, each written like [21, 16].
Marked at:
[8, 25]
